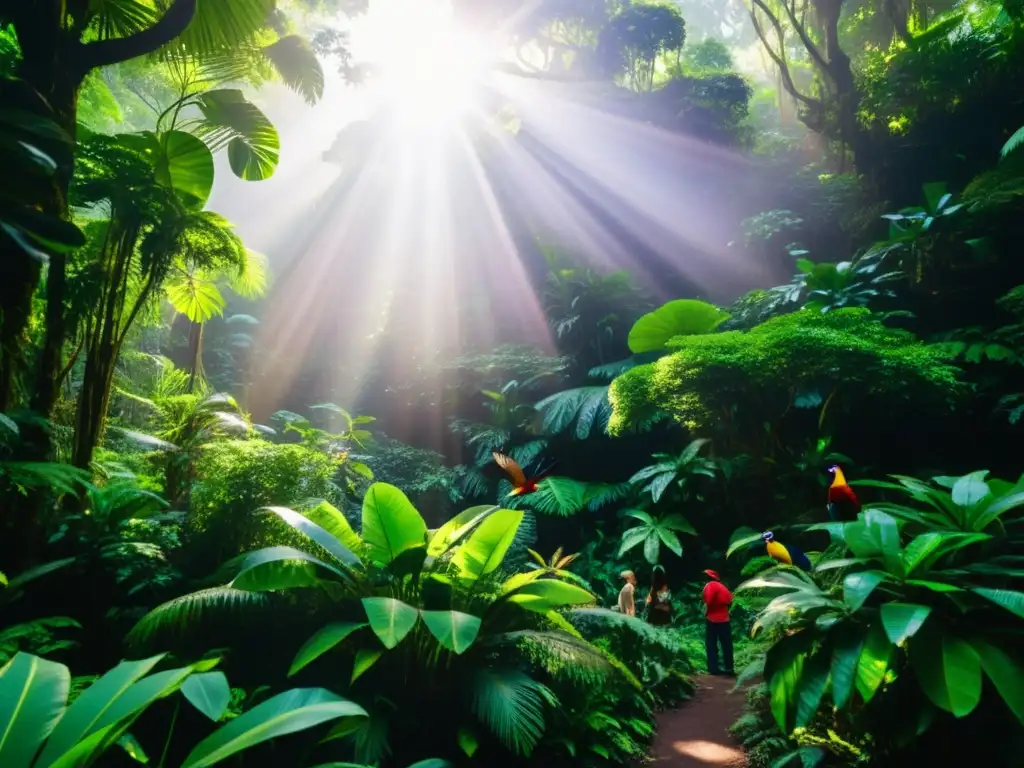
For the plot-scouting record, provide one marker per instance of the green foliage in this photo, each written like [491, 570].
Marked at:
[919, 611]
[440, 600]
[682, 317]
[846, 352]
[633, 40]
[236, 477]
[709, 55]
[655, 533]
[679, 472]
[36, 719]
[34, 149]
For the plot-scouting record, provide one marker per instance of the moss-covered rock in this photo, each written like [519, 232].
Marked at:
[848, 355]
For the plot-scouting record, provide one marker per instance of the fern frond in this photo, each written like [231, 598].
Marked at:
[587, 406]
[600, 495]
[189, 612]
[561, 654]
[511, 705]
[527, 452]
[561, 496]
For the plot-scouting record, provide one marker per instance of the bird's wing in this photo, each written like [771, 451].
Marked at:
[842, 493]
[512, 469]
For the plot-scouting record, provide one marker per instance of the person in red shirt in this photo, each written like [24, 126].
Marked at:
[717, 631]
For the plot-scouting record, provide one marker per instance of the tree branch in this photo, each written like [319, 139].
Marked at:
[115, 50]
[812, 49]
[779, 58]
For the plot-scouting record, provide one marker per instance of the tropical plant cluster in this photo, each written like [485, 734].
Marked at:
[189, 578]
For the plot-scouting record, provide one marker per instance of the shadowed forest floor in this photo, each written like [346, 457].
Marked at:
[697, 733]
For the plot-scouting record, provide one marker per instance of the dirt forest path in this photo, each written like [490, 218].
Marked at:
[696, 735]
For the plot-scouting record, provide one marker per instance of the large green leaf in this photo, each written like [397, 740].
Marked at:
[454, 630]
[390, 619]
[275, 568]
[196, 297]
[857, 587]
[875, 656]
[486, 547]
[185, 164]
[233, 121]
[970, 489]
[364, 659]
[208, 692]
[1005, 672]
[682, 317]
[676, 522]
[391, 524]
[784, 666]
[458, 527]
[321, 642]
[811, 688]
[332, 520]
[1009, 599]
[33, 693]
[117, 716]
[846, 653]
[326, 539]
[84, 716]
[288, 712]
[948, 670]
[545, 595]
[902, 620]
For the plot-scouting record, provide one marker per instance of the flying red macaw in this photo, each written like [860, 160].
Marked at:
[843, 503]
[521, 484]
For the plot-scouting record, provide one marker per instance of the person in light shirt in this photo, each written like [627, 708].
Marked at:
[718, 630]
[626, 602]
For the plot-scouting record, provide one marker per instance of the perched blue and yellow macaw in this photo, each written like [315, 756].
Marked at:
[781, 553]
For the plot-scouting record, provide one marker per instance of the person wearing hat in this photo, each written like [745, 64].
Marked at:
[717, 630]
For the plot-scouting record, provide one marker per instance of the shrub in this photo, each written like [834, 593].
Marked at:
[237, 478]
[747, 378]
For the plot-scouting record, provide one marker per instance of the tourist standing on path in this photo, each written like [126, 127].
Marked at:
[659, 605]
[718, 630]
[626, 602]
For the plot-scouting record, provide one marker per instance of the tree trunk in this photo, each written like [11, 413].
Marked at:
[195, 348]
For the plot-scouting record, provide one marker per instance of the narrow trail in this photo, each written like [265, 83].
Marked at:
[696, 735]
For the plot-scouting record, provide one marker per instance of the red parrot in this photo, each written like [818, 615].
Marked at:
[843, 503]
[522, 484]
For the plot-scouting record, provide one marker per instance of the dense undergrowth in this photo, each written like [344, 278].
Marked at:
[301, 587]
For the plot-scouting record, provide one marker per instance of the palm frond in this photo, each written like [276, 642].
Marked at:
[511, 704]
[587, 406]
[298, 67]
[220, 26]
[561, 496]
[251, 280]
[121, 18]
[62, 478]
[599, 495]
[561, 654]
[527, 452]
[189, 613]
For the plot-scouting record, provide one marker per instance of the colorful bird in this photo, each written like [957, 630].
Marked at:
[781, 553]
[521, 484]
[843, 503]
